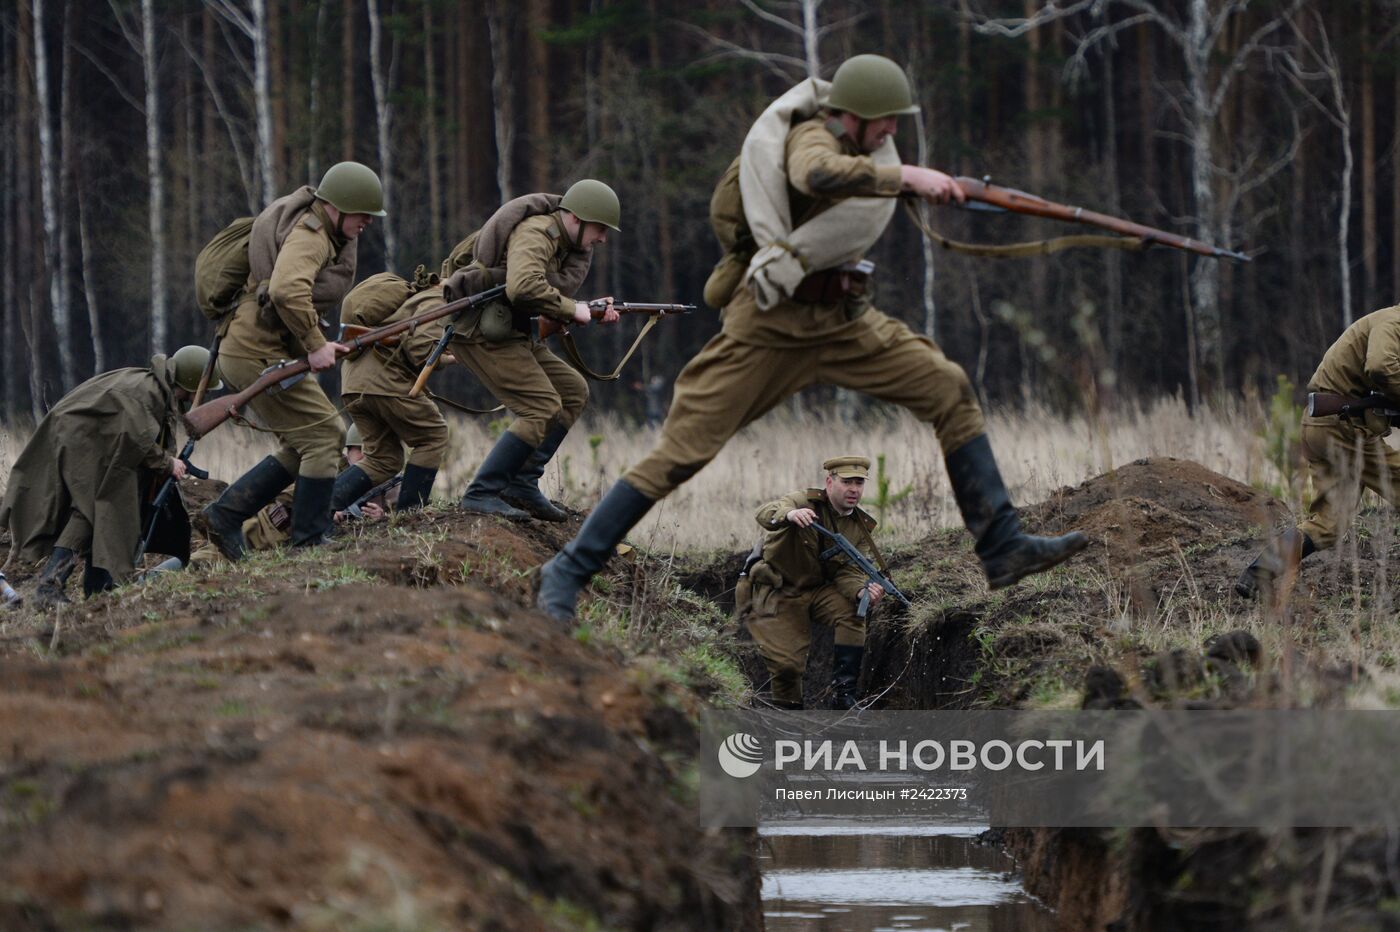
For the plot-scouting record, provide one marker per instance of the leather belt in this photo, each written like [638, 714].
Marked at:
[831, 286]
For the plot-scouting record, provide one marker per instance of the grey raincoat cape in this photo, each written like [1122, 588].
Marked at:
[100, 452]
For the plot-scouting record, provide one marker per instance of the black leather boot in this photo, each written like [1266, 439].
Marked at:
[483, 496]
[524, 490]
[54, 577]
[311, 511]
[1281, 557]
[95, 580]
[416, 487]
[845, 674]
[565, 575]
[349, 486]
[240, 501]
[1007, 553]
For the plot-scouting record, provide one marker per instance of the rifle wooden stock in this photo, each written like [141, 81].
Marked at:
[208, 372]
[1021, 202]
[351, 331]
[199, 421]
[421, 382]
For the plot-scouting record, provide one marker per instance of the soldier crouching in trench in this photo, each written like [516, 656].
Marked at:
[1344, 455]
[790, 585]
[76, 491]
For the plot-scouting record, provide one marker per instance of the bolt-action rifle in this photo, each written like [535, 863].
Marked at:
[549, 326]
[199, 421]
[983, 195]
[842, 544]
[167, 488]
[1326, 404]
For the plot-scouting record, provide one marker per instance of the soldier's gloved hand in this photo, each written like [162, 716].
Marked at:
[462, 283]
[877, 592]
[802, 517]
[1375, 423]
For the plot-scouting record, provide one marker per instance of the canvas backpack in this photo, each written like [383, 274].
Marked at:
[221, 270]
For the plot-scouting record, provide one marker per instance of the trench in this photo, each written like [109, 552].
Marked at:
[882, 873]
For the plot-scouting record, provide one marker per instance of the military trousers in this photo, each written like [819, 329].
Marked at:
[730, 383]
[780, 622]
[302, 418]
[539, 388]
[1344, 460]
[77, 534]
[390, 423]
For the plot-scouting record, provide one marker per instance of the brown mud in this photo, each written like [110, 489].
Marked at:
[379, 733]
[375, 734]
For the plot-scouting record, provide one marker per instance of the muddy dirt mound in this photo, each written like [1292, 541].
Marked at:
[371, 734]
[1153, 505]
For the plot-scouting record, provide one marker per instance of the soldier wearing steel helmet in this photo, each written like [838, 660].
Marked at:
[302, 254]
[77, 489]
[541, 246]
[788, 324]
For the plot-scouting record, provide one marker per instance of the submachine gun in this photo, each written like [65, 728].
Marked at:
[841, 544]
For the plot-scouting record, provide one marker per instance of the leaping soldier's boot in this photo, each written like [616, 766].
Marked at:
[1007, 553]
[312, 518]
[564, 576]
[416, 487]
[349, 486]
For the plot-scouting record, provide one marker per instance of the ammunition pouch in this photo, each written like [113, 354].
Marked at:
[494, 322]
[725, 278]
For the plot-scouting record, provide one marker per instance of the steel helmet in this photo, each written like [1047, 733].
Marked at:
[871, 87]
[353, 437]
[594, 202]
[188, 364]
[352, 188]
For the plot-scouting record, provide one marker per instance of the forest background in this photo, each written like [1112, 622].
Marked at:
[136, 129]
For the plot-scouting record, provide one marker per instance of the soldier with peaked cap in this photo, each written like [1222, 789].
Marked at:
[77, 490]
[816, 180]
[791, 586]
[302, 255]
[541, 246]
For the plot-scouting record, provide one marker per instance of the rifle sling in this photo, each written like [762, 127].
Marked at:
[457, 405]
[1042, 247]
[566, 340]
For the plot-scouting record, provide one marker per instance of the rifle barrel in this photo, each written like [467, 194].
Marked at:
[199, 421]
[1022, 202]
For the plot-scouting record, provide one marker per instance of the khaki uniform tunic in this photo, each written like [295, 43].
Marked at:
[539, 388]
[793, 587]
[302, 417]
[1344, 457]
[375, 387]
[760, 358]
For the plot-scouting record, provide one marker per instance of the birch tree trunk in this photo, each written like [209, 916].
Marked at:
[262, 95]
[68, 161]
[155, 178]
[1368, 161]
[1205, 278]
[10, 363]
[434, 148]
[313, 104]
[48, 190]
[502, 99]
[382, 124]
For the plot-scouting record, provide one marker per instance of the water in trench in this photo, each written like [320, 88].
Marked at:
[872, 875]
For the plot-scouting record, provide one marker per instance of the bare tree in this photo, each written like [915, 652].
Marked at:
[502, 97]
[252, 23]
[1328, 71]
[1195, 29]
[49, 159]
[383, 121]
[807, 30]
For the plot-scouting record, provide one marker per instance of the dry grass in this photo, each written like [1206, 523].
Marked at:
[1038, 451]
